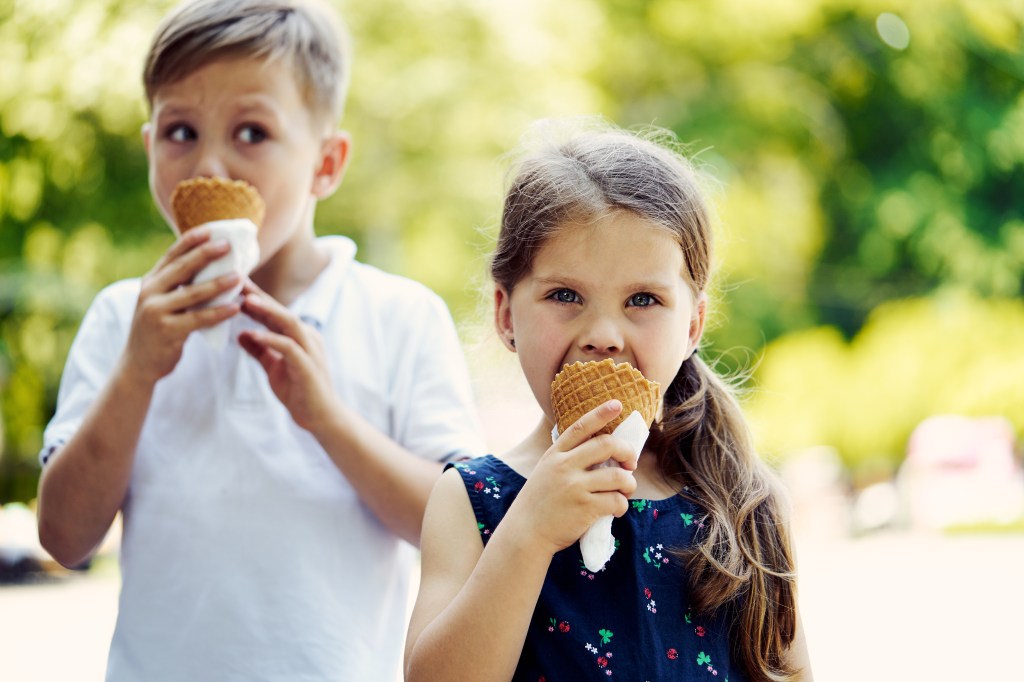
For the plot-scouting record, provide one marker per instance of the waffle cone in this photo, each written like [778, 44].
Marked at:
[582, 386]
[202, 200]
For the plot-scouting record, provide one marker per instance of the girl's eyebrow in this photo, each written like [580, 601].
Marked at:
[573, 283]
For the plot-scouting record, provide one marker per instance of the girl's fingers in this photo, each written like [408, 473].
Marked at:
[588, 425]
[612, 480]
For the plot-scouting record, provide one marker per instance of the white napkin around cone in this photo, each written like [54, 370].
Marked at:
[598, 544]
[242, 258]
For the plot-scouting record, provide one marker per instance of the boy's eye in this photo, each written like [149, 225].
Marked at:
[180, 133]
[565, 296]
[641, 300]
[251, 134]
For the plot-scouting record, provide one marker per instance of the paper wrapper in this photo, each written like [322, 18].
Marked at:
[232, 210]
[598, 544]
[242, 258]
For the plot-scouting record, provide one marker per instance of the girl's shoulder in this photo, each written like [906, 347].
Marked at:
[492, 486]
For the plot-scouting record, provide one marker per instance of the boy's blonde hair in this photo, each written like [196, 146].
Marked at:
[198, 32]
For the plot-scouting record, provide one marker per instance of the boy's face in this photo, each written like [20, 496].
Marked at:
[245, 119]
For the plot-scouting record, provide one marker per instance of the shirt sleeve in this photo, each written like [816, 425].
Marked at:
[94, 352]
[435, 412]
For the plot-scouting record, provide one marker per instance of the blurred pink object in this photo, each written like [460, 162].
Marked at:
[962, 470]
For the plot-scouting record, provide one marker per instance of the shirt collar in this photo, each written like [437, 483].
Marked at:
[314, 305]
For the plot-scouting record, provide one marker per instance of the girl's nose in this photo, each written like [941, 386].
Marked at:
[600, 336]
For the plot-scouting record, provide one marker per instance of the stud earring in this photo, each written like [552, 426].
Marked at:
[513, 342]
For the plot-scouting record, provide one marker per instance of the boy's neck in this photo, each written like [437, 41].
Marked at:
[293, 269]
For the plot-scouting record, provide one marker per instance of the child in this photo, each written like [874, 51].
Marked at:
[605, 252]
[265, 486]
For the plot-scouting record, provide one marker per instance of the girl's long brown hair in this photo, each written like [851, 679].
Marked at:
[742, 560]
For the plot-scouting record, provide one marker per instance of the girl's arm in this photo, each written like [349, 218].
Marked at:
[475, 604]
[473, 607]
[84, 484]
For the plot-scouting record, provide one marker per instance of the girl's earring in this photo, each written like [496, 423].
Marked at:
[513, 342]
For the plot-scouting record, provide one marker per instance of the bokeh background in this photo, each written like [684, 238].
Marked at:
[868, 166]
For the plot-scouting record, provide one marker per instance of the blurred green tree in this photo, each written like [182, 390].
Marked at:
[865, 152]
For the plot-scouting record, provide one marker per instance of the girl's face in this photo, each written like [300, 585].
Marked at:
[615, 287]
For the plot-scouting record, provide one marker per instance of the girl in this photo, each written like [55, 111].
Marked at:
[605, 252]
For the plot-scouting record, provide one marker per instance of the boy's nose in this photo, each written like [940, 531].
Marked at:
[210, 163]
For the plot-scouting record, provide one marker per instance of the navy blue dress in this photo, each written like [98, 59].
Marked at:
[631, 620]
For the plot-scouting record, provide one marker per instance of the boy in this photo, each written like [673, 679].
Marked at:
[263, 487]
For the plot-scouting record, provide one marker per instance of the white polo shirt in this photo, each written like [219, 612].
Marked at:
[246, 555]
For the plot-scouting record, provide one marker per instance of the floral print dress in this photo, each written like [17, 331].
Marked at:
[632, 620]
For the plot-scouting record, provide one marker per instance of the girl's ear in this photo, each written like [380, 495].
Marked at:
[697, 323]
[334, 156]
[503, 318]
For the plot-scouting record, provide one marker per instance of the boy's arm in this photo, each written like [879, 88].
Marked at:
[389, 479]
[85, 482]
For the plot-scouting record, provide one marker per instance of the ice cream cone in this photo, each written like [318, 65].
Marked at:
[204, 200]
[582, 386]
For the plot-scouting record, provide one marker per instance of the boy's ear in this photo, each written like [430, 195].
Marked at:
[147, 136]
[334, 156]
[503, 318]
[697, 322]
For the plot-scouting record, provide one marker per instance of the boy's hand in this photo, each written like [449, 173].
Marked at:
[166, 311]
[566, 491]
[293, 355]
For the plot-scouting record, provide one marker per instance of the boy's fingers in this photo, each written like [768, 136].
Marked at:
[258, 350]
[184, 244]
[588, 425]
[284, 346]
[183, 269]
[192, 295]
[274, 316]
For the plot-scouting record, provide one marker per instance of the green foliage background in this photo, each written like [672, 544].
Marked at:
[871, 251]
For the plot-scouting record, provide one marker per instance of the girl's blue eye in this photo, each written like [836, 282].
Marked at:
[566, 296]
[180, 132]
[641, 300]
[252, 134]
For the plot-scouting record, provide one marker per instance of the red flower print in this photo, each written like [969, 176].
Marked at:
[655, 512]
[602, 661]
[672, 654]
[647, 592]
[700, 631]
[478, 486]
[563, 626]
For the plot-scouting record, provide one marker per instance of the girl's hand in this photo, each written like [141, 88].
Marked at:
[567, 492]
[292, 353]
[166, 311]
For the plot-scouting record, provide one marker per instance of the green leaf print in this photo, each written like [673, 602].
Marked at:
[688, 618]
[687, 519]
[639, 505]
[703, 659]
[606, 636]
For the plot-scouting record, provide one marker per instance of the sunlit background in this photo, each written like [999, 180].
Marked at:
[869, 163]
